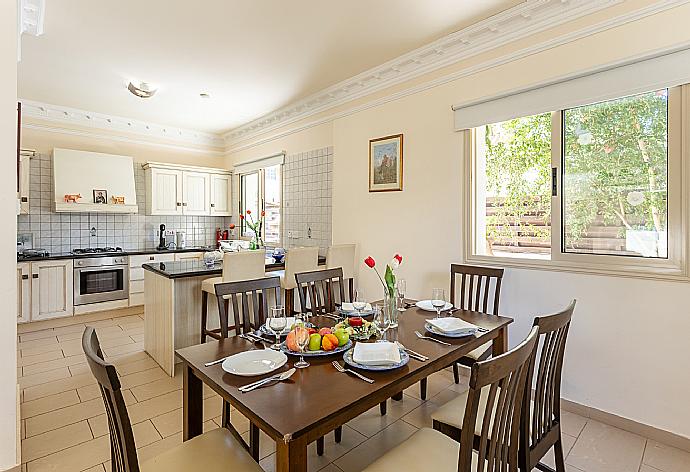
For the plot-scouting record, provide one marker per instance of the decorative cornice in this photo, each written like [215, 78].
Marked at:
[120, 125]
[503, 28]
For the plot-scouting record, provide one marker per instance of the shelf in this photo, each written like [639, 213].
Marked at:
[63, 207]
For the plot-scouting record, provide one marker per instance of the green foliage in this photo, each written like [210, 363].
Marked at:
[389, 279]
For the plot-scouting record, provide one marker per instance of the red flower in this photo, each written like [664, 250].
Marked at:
[263, 213]
[249, 212]
[232, 225]
[398, 258]
[370, 262]
[241, 217]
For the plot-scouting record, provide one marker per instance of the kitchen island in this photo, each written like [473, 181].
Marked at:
[172, 306]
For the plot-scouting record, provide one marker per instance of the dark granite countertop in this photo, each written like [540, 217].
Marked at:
[132, 252]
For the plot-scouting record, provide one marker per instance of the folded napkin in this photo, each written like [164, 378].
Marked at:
[381, 353]
[346, 306]
[452, 325]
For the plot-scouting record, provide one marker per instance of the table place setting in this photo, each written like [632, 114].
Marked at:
[450, 327]
[378, 356]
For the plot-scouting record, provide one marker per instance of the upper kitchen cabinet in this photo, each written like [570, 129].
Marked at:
[183, 190]
[78, 175]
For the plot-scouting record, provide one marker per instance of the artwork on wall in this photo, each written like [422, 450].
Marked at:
[386, 163]
[100, 196]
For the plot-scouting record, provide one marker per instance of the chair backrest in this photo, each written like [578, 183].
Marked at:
[123, 452]
[477, 284]
[299, 259]
[543, 413]
[316, 286]
[249, 300]
[343, 256]
[505, 378]
[243, 265]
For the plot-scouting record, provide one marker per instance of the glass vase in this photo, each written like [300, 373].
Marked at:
[391, 307]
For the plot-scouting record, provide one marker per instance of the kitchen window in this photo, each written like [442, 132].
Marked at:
[261, 190]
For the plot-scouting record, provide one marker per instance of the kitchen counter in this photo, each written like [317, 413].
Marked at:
[132, 252]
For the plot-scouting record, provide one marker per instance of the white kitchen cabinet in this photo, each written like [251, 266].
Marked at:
[220, 194]
[23, 292]
[189, 256]
[52, 291]
[183, 190]
[136, 274]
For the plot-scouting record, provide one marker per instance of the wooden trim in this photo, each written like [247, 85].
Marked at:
[400, 183]
[657, 434]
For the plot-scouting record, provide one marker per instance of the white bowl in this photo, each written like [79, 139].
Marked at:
[255, 362]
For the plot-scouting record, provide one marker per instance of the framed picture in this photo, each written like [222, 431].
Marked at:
[100, 196]
[386, 164]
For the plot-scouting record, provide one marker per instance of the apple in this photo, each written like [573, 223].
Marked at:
[356, 321]
[342, 336]
[325, 331]
[314, 342]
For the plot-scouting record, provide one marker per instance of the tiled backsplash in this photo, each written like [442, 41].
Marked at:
[61, 232]
[307, 198]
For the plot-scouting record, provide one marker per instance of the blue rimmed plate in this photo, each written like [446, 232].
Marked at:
[404, 359]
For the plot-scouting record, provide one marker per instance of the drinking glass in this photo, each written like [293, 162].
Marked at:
[401, 286]
[302, 340]
[382, 319]
[360, 301]
[276, 323]
[438, 300]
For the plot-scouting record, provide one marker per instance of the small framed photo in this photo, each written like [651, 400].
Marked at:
[386, 164]
[100, 196]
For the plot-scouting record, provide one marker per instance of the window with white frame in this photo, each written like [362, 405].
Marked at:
[593, 184]
[261, 192]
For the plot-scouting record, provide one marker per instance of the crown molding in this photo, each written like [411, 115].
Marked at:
[124, 128]
[523, 20]
[610, 23]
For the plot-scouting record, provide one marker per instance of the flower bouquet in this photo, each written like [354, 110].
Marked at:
[255, 226]
[388, 282]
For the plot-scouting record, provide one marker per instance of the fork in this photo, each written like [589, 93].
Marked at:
[421, 336]
[340, 368]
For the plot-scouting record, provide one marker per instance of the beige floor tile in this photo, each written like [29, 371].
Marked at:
[371, 422]
[119, 360]
[54, 364]
[666, 458]
[572, 423]
[76, 458]
[127, 348]
[155, 407]
[50, 403]
[152, 450]
[70, 328]
[435, 384]
[420, 417]
[158, 387]
[34, 351]
[568, 443]
[374, 447]
[57, 386]
[126, 368]
[42, 334]
[603, 448]
[239, 421]
[332, 449]
[44, 377]
[39, 359]
[64, 416]
[98, 468]
[213, 407]
[114, 341]
[79, 369]
[168, 423]
[267, 446]
[56, 440]
[144, 377]
[37, 342]
[137, 337]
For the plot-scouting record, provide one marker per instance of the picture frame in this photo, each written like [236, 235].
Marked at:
[386, 164]
[100, 196]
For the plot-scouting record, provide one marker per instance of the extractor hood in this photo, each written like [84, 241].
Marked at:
[93, 182]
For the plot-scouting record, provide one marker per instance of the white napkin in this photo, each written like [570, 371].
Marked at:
[382, 353]
[452, 325]
[348, 307]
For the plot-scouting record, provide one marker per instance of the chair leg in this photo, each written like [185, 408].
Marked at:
[398, 397]
[338, 434]
[558, 455]
[289, 302]
[226, 418]
[254, 441]
[204, 315]
[319, 446]
[422, 389]
[456, 373]
[383, 406]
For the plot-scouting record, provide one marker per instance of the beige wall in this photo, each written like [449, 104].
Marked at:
[8, 262]
[628, 345]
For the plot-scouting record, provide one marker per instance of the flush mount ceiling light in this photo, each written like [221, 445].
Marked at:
[142, 90]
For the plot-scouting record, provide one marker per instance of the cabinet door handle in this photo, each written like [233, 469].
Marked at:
[184, 204]
[213, 205]
[25, 276]
[35, 276]
[151, 258]
[179, 204]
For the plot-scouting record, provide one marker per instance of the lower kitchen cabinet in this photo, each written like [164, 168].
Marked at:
[52, 292]
[23, 292]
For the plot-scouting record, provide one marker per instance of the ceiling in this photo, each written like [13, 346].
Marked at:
[253, 57]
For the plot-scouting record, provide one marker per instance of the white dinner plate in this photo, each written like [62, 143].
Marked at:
[256, 362]
[426, 305]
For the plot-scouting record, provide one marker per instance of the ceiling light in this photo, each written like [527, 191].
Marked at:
[205, 95]
[142, 90]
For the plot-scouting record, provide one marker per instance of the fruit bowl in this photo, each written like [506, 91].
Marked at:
[319, 353]
[358, 328]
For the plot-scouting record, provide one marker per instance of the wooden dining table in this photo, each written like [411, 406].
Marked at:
[317, 399]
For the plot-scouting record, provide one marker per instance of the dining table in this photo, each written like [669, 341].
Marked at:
[317, 399]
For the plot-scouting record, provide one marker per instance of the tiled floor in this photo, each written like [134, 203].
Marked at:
[64, 426]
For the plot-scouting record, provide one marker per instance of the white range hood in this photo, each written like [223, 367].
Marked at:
[82, 172]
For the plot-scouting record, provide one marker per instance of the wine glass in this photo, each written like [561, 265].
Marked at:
[360, 301]
[401, 286]
[382, 318]
[438, 300]
[276, 323]
[302, 340]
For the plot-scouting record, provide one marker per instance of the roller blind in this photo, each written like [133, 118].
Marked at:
[666, 70]
[260, 163]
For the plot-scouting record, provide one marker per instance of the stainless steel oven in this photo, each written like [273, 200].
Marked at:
[101, 279]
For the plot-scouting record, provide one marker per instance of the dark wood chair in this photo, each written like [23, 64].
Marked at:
[214, 451]
[249, 299]
[541, 422]
[494, 406]
[480, 290]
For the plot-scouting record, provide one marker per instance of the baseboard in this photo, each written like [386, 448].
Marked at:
[651, 432]
[16, 468]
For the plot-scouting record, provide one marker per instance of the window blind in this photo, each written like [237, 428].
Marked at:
[260, 163]
[664, 70]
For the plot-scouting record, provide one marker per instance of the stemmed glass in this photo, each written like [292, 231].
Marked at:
[382, 318]
[360, 301]
[302, 340]
[276, 324]
[401, 286]
[438, 300]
